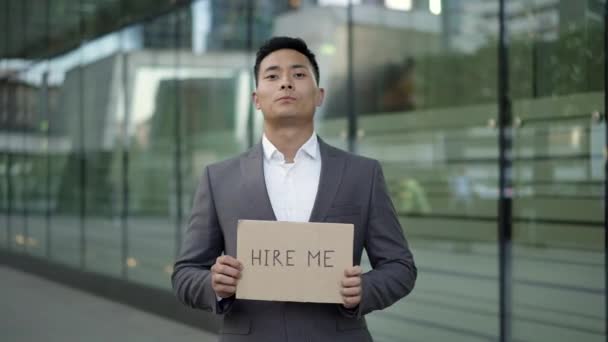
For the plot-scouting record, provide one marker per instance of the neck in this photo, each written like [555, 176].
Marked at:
[288, 140]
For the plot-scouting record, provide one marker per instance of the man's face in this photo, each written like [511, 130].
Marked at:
[287, 91]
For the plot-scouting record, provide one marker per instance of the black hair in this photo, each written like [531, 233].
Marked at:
[279, 43]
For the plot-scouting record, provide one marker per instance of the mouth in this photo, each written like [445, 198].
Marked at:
[286, 98]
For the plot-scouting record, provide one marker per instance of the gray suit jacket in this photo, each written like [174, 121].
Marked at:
[351, 190]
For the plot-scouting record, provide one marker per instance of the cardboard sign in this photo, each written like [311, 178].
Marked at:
[293, 261]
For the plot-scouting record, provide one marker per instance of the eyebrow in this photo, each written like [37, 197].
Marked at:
[276, 67]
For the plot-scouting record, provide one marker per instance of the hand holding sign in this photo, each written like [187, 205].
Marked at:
[225, 274]
[351, 287]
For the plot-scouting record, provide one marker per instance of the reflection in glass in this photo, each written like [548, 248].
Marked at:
[423, 109]
[557, 60]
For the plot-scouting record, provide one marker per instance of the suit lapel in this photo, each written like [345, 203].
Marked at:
[255, 202]
[332, 168]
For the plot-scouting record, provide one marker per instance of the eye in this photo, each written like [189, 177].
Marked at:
[271, 77]
[300, 75]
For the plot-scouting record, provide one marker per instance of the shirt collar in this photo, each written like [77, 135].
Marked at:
[310, 147]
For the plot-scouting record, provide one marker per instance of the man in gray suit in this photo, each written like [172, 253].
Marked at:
[292, 175]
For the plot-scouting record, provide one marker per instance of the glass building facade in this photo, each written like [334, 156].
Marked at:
[488, 116]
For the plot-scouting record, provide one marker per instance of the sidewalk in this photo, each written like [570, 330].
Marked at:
[35, 309]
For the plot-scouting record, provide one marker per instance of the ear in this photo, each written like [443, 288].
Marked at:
[320, 97]
[254, 97]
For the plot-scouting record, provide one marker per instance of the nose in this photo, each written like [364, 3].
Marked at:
[286, 83]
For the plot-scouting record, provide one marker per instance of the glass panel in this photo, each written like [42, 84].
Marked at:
[4, 169]
[7, 139]
[66, 164]
[34, 181]
[557, 65]
[20, 165]
[103, 158]
[4, 231]
[427, 111]
[151, 112]
[61, 176]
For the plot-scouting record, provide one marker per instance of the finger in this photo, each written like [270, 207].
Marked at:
[351, 282]
[352, 271]
[350, 291]
[226, 270]
[230, 261]
[224, 280]
[351, 301]
[224, 290]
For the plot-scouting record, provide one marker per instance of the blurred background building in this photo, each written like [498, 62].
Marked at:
[490, 126]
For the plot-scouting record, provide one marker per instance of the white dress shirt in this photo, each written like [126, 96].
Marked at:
[292, 187]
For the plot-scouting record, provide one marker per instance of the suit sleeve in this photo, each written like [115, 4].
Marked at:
[203, 243]
[394, 272]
